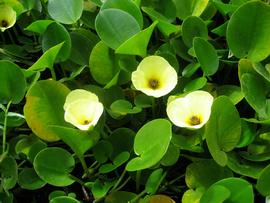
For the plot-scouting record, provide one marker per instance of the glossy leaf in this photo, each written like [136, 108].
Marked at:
[248, 31]
[206, 55]
[9, 173]
[12, 82]
[102, 63]
[223, 129]
[263, 181]
[211, 171]
[125, 5]
[28, 179]
[53, 166]
[115, 26]
[79, 141]
[137, 44]
[44, 107]
[47, 59]
[65, 11]
[56, 34]
[187, 8]
[158, 133]
[193, 27]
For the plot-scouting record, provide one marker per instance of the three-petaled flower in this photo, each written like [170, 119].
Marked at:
[191, 111]
[154, 76]
[7, 17]
[82, 109]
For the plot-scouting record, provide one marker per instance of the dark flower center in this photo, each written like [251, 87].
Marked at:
[154, 84]
[4, 23]
[194, 120]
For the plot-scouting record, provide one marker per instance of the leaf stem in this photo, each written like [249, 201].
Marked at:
[76, 179]
[5, 128]
[138, 180]
[119, 180]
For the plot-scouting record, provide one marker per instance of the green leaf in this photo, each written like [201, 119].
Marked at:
[192, 196]
[206, 55]
[121, 139]
[262, 70]
[125, 5]
[44, 107]
[65, 11]
[193, 27]
[79, 141]
[117, 161]
[13, 119]
[55, 34]
[119, 197]
[115, 26]
[211, 171]
[154, 181]
[263, 181]
[12, 83]
[64, 199]
[102, 63]
[233, 92]
[240, 189]
[137, 44]
[223, 129]
[216, 193]
[171, 156]
[123, 107]
[187, 8]
[47, 59]
[256, 93]
[163, 24]
[190, 69]
[53, 165]
[243, 167]
[28, 179]
[9, 173]
[39, 26]
[82, 44]
[157, 132]
[248, 31]
[195, 84]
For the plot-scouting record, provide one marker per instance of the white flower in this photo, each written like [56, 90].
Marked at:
[82, 109]
[191, 111]
[154, 76]
[7, 17]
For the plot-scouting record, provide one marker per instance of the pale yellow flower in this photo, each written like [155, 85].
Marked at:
[7, 17]
[154, 76]
[82, 109]
[191, 111]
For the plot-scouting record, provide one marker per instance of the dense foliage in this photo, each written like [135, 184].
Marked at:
[150, 101]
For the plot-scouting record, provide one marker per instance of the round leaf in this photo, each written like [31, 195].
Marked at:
[12, 82]
[157, 132]
[9, 173]
[263, 182]
[53, 165]
[223, 129]
[44, 107]
[206, 55]
[240, 189]
[125, 5]
[102, 63]
[55, 34]
[248, 31]
[64, 199]
[193, 27]
[115, 26]
[28, 179]
[65, 11]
